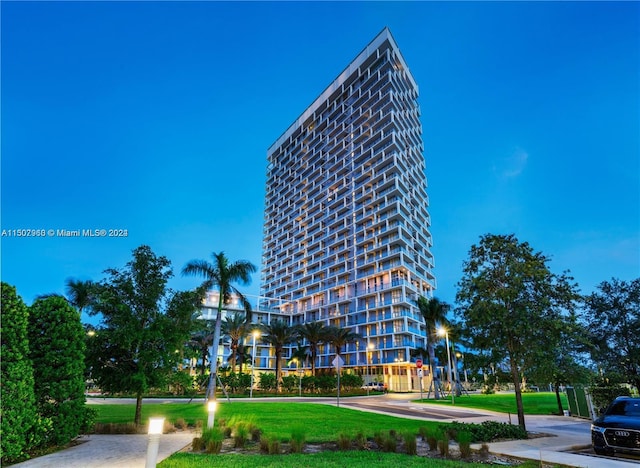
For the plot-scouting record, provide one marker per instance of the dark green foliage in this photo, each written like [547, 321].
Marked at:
[298, 438]
[270, 445]
[433, 435]
[604, 392]
[513, 307]
[197, 445]
[390, 443]
[410, 443]
[236, 383]
[344, 441]
[360, 441]
[326, 383]
[487, 431]
[309, 383]
[464, 440]
[57, 349]
[443, 444]
[350, 381]
[267, 381]
[181, 383]
[143, 324]
[613, 321]
[19, 430]
[240, 434]
[212, 439]
[289, 382]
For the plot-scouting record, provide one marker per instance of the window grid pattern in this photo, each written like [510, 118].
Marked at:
[346, 233]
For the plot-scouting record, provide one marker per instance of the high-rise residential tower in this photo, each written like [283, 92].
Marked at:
[346, 225]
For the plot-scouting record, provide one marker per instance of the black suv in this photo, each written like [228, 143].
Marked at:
[618, 429]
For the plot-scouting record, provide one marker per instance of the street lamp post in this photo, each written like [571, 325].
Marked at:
[368, 356]
[254, 335]
[443, 332]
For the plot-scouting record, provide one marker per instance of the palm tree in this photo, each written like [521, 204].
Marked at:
[235, 327]
[315, 333]
[300, 356]
[201, 342]
[220, 274]
[278, 334]
[241, 356]
[340, 337]
[434, 312]
[80, 293]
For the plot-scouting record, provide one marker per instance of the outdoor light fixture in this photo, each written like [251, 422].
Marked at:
[211, 409]
[156, 425]
[211, 406]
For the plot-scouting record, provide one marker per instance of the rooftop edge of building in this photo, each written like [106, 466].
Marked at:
[377, 41]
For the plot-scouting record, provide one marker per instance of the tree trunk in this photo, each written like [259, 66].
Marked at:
[138, 416]
[240, 360]
[213, 376]
[232, 361]
[278, 353]
[204, 361]
[560, 408]
[515, 377]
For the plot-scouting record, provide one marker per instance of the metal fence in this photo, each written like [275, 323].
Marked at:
[580, 403]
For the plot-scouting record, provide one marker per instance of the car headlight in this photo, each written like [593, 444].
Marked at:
[597, 428]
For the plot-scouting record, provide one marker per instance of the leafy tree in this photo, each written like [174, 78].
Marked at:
[221, 274]
[434, 312]
[57, 347]
[350, 381]
[19, 430]
[143, 324]
[560, 364]
[512, 304]
[315, 333]
[268, 381]
[278, 334]
[613, 320]
[289, 382]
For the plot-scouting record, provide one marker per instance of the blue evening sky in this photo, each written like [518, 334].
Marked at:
[155, 117]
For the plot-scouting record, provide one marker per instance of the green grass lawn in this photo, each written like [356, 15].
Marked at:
[351, 459]
[533, 403]
[323, 422]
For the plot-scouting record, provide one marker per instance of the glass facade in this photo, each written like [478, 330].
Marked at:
[346, 222]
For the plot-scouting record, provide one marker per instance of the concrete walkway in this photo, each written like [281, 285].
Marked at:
[110, 451]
